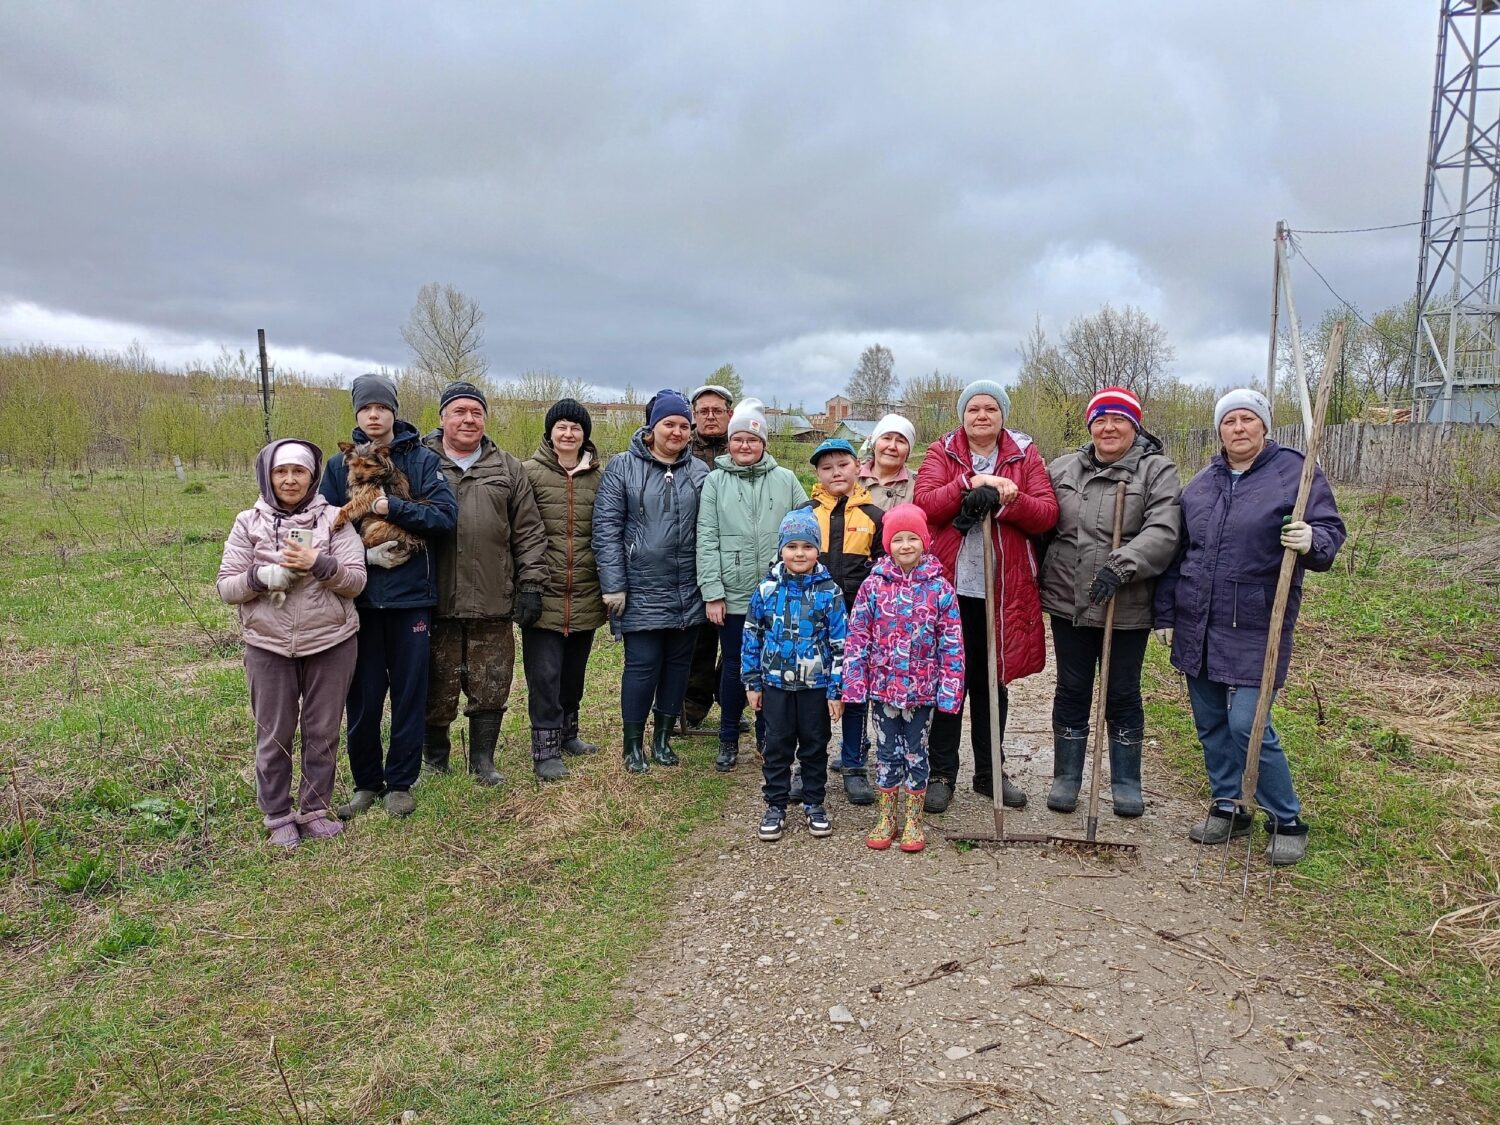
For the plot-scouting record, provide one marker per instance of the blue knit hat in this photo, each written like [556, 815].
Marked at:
[800, 525]
[985, 387]
[832, 445]
[667, 404]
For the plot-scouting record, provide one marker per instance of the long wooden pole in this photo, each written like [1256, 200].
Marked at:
[265, 382]
[1092, 822]
[997, 761]
[1288, 568]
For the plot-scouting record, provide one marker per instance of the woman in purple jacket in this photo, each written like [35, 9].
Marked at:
[1213, 607]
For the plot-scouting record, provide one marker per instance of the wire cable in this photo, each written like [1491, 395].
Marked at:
[1398, 226]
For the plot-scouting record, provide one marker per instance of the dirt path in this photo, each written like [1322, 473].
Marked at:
[819, 981]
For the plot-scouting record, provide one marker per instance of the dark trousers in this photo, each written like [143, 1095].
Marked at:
[291, 691]
[947, 729]
[703, 677]
[394, 647]
[854, 736]
[474, 657]
[797, 726]
[1078, 649]
[555, 666]
[731, 687]
[656, 672]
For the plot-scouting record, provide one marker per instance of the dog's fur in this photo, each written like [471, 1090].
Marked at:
[371, 473]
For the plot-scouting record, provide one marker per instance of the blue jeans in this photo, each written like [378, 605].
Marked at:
[656, 672]
[731, 687]
[1223, 714]
[901, 747]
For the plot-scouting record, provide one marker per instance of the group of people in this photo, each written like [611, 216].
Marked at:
[866, 603]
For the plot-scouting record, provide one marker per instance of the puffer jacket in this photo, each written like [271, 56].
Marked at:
[319, 609]
[739, 515]
[1218, 592]
[431, 511]
[499, 544]
[942, 482]
[794, 633]
[646, 537]
[887, 496]
[851, 527]
[906, 642]
[1085, 527]
[566, 501]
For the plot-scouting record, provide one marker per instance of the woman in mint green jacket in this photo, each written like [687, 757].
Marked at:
[739, 514]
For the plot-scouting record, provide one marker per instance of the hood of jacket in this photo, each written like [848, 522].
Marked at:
[818, 573]
[546, 456]
[766, 464]
[929, 568]
[1146, 443]
[1013, 443]
[639, 448]
[263, 476]
[859, 494]
[403, 433]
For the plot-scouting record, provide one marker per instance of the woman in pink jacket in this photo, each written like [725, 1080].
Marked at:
[294, 579]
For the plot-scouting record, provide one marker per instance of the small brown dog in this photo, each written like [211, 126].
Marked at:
[371, 475]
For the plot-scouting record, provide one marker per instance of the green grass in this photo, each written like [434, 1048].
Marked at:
[461, 963]
[1391, 718]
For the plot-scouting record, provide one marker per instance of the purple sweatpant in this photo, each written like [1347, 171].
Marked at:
[282, 689]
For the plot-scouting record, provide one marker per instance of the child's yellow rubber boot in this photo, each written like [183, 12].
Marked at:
[884, 832]
[912, 839]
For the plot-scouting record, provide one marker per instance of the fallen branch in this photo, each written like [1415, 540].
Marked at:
[1073, 1031]
[287, 1086]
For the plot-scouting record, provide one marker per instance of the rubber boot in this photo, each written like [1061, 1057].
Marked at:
[484, 735]
[913, 839]
[572, 745]
[884, 832]
[661, 749]
[1125, 770]
[635, 754]
[436, 749]
[1069, 745]
[546, 755]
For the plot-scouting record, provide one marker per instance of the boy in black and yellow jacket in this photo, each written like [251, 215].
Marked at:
[849, 521]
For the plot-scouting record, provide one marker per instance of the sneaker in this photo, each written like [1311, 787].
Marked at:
[818, 822]
[1216, 827]
[771, 824]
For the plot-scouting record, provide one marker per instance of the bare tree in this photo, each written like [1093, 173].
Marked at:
[872, 387]
[545, 386]
[931, 403]
[446, 335]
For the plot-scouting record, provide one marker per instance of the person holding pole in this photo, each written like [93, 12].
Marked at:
[1214, 605]
[1081, 575]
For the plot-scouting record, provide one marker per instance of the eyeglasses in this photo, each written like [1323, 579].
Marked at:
[711, 412]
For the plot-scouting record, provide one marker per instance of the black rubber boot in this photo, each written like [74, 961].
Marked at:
[661, 749]
[729, 756]
[857, 787]
[484, 736]
[572, 745]
[436, 749]
[1069, 745]
[635, 753]
[1125, 771]
[546, 755]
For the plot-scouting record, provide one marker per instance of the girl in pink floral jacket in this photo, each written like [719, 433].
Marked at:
[905, 652]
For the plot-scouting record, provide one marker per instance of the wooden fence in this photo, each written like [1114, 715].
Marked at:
[1368, 453]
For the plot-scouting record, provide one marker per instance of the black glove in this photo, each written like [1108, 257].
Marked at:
[528, 608]
[977, 502]
[1106, 582]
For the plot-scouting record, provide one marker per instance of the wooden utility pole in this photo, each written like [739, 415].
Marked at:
[265, 382]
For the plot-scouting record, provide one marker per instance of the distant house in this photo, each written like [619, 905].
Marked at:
[836, 409]
[792, 427]
[856, 431]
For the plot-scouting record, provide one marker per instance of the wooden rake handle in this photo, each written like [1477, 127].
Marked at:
[1092, 823]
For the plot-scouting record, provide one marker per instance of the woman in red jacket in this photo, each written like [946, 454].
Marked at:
[977, 469]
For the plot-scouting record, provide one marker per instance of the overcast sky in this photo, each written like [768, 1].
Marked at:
[637, 193]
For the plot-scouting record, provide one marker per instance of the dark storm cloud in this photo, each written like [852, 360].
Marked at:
[635, 194]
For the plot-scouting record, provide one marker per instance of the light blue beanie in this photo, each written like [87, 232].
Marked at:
[984, 387]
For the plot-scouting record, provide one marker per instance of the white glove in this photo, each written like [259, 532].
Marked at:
[1165, 635]
[1297, 536]
[274, 576]
[386, 555]
[614, 604]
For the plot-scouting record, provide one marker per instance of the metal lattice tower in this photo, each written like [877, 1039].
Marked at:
[1456, 353]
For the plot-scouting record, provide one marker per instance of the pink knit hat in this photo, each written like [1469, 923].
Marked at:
[905, 517]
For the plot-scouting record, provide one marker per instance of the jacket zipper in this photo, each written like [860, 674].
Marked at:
[568, 587]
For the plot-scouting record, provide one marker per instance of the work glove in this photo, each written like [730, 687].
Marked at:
[1106, 582]
[386, 555]
[977, 502]
[614, 604]
[528, 608]
[274, 576]
[1165, 635]
[1297, 535]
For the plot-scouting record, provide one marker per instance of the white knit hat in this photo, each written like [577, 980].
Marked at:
[894, 424]
[749, 417]
[1243, 398]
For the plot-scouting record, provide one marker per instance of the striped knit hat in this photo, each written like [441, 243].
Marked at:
[1114, 400]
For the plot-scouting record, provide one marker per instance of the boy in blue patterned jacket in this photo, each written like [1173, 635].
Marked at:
[792, 664]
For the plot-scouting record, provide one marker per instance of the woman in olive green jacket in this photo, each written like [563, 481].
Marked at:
[564, 474]
[739, 515]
